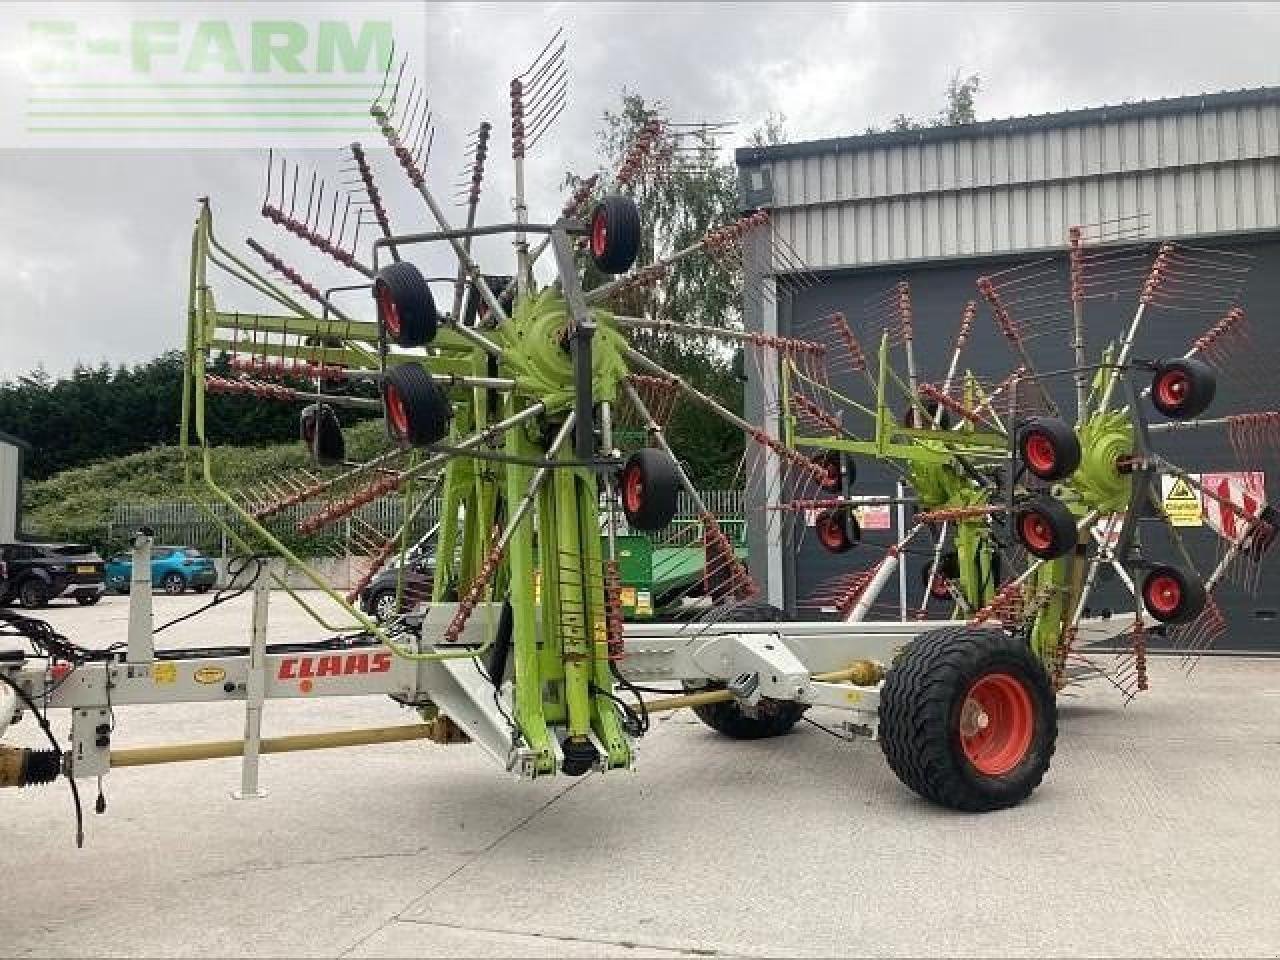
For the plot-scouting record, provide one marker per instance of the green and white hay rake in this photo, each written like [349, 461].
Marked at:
[500, 420]
[1025, 509]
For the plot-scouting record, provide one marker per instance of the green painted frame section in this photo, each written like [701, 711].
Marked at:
[562, 676]
[931, 456]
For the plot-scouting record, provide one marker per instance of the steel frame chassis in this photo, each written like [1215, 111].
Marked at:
[779, 661]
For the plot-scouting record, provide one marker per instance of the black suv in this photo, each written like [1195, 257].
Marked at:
[35, 573]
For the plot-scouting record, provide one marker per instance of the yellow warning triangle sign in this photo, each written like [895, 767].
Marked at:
[1181, 490]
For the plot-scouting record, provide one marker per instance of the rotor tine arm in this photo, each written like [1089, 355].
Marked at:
[1014, 332]
[292, 275]
[1076, 266]
[473, 203]
[962, 337]
[375, 197]
[818, 471]
[1157, 276]
[865, 590]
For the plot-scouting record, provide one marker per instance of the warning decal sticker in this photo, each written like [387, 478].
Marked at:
[1181, 502]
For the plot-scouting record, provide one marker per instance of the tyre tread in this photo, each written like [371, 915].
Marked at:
[915, 716]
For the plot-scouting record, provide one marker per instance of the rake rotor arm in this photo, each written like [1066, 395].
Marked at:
[639, 359]
[1156, 278]
[869, 592]
[1076, 266]
[488, 435]
[1200, 423]
[465, 261]
[1010, 329]
[738, 336]
[292, 275]
[375, 197]
[473, 205]
[274, 391]
[303, 232]
[752, 431]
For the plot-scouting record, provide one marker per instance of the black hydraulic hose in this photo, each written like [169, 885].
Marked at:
[500, 651]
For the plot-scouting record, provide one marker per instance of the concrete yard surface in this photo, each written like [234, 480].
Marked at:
[1156, 832]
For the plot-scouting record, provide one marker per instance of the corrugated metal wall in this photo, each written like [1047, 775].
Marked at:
[1194, 173]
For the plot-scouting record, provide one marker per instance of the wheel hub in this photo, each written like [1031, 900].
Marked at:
[997, 722]
[973, 719]
[1042, 456]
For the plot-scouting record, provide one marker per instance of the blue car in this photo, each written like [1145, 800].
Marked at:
[173, 569]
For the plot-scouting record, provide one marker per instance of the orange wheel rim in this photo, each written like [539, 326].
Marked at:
[1040, 453]
[388, 311]
[829, 533]
[997, 723]
[633, 490]
[1163, 595]
[397, 416]
[599, 234]
[1036, 532]
[1171, 389]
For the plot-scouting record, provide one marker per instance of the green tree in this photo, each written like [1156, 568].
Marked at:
[960, 107]
[98, 413]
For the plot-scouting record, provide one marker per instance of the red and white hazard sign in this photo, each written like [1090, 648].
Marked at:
[1231, 500]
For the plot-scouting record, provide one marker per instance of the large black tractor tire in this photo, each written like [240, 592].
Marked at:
[772, 718]
[968, 718]
[417, 408]
[615, 234]
[406, 310]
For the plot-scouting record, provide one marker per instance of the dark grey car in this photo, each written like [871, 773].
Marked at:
[378, 599]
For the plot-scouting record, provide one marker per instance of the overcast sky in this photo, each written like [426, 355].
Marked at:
[93, 245]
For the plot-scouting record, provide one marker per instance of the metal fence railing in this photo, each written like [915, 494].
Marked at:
[183, 523]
